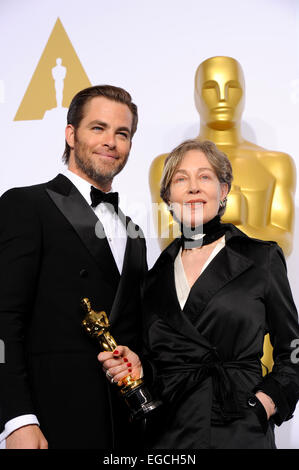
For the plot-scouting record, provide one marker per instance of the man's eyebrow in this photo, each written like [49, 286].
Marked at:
[96, 122]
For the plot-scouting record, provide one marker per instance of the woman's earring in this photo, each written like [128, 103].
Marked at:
[170, 206]
[222, 203]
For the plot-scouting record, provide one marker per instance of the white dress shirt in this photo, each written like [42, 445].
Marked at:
[114, 229]
[117, 238]
[181, 282]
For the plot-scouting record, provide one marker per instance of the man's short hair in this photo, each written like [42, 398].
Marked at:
[76, 109]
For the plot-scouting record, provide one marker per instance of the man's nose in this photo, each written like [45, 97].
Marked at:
[109, 139]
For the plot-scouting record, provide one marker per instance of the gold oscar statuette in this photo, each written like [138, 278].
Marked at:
[134, 391]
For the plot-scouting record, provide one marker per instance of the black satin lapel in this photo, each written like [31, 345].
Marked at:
[169, 308]
[225, 267]
[82, 218]
[123, 287]
[131, 258]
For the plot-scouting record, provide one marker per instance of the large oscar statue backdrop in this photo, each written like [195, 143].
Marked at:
[261, 201]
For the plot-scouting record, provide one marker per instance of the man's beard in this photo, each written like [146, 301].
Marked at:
[95, 175]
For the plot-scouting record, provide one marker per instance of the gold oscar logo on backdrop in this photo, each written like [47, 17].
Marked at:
[58, 76]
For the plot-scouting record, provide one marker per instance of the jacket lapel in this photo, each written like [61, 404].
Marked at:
[82, 218]
[224, 268]
[168, 306]
[131, 257]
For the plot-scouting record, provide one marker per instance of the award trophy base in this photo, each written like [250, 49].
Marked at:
[138, 399]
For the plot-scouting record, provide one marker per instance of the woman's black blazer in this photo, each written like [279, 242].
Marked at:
[206, 357]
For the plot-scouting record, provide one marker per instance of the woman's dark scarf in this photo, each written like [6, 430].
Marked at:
[212, 230]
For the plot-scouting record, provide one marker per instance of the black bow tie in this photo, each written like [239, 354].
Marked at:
[97, 196]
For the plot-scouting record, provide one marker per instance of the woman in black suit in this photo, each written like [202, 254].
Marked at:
[208, 303]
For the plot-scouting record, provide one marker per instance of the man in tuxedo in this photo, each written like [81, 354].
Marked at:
[59, 242]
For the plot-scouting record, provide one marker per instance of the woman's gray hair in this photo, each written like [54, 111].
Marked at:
[218, 160]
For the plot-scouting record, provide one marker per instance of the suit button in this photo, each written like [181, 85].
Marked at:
[83, 273]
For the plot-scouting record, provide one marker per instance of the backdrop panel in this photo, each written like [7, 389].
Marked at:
[152, 49]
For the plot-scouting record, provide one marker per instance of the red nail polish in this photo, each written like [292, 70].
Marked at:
[125, 359]
[115, 352]
[129, 364]
[130, 370]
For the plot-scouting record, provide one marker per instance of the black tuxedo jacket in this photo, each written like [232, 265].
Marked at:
[206, 357]
[50, 259]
